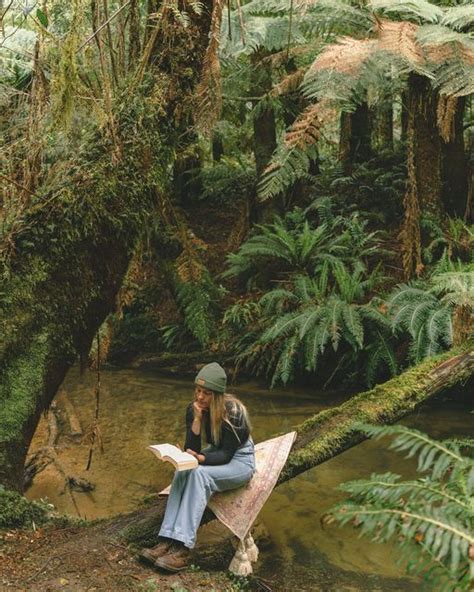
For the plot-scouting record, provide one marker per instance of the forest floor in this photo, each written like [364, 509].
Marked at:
[85, 559]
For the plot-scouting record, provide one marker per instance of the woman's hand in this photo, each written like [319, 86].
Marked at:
[197, 409]
[200, 457]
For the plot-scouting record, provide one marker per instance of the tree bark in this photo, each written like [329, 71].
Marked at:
[422, 118]
[63, 264]
[383, 132]
[330, 432]
[354, 137]
[455, 169]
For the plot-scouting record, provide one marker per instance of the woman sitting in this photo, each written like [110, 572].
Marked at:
[226, 463]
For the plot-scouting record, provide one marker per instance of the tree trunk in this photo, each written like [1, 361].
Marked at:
[217, 147]
[63, 264]
[354, 137]
[404, 117]
[264, 133]
[383, 129]
[455, 169]
[422, 118]
[330, 432]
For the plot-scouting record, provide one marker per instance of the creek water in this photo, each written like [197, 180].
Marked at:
[138, 408]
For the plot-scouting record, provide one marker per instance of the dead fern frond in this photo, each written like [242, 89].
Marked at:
[445, 112]
[189, 266]
[209, 91]
[440, 53]
[289, 83]
[133, 278]
[346, 55]
[306, 130]
[400, 38]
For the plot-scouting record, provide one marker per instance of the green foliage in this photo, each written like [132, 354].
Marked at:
[197, 301]
[418, 9]
[426, 311]
[375, 187]
[226, 182]
[451, 240]
[293, 245]
[17, 512]
[321, 299]
[134, 334]
[431, 518]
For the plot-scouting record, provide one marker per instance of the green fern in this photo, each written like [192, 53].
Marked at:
[420, 10]
[310, 315]
[197, 303]
[427, 311]
[430, 518]
[459, 18]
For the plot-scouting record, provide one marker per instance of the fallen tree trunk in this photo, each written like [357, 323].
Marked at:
[333, 431]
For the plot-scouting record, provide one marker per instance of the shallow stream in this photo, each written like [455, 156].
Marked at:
[138, 408]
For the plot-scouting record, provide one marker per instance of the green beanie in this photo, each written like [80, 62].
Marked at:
[213, 377]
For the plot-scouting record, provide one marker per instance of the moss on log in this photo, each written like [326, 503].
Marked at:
[330, 432]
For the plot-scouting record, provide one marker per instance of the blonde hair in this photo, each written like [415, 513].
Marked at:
[219, 414]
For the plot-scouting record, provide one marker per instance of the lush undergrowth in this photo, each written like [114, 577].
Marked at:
[318, 290]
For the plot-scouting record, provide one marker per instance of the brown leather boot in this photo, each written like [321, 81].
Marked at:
[152, 554]
[175, 560]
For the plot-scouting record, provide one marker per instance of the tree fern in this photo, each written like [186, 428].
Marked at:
[459, 18]
[420, 10]
[431, 518]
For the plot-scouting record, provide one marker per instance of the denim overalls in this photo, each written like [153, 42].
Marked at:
[191, 490]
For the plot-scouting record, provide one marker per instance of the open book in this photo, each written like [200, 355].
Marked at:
[169, 453]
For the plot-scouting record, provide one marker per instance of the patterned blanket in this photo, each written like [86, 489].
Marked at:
[239, 508]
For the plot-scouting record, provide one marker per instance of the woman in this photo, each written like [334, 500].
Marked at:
[228, 462]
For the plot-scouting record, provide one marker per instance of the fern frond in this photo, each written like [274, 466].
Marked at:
[287, 166]
[345, 56]
[333, 17]
[306, 130]
[353, 325]
[380, 353]
[458, 17]
[400, 39]
[433, 455]
[420, 10]
[284, 369]
[277, 300]
[208, 91]
[289, 83]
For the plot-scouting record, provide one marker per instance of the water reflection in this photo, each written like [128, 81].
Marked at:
[138, 408]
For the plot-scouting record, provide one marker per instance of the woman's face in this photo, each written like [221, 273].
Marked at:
[203, 397]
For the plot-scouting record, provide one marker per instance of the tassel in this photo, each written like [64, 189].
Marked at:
[240, 564]
[251, 548]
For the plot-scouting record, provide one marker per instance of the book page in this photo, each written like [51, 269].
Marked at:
[168, 452]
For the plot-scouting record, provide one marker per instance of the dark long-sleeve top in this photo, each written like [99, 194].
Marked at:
[230, 440]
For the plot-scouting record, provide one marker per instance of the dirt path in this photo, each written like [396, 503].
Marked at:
[85, 559]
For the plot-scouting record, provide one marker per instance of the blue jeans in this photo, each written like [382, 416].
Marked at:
[191, 490]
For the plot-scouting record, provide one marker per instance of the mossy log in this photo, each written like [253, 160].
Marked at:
[333, 431]
[63, 262]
